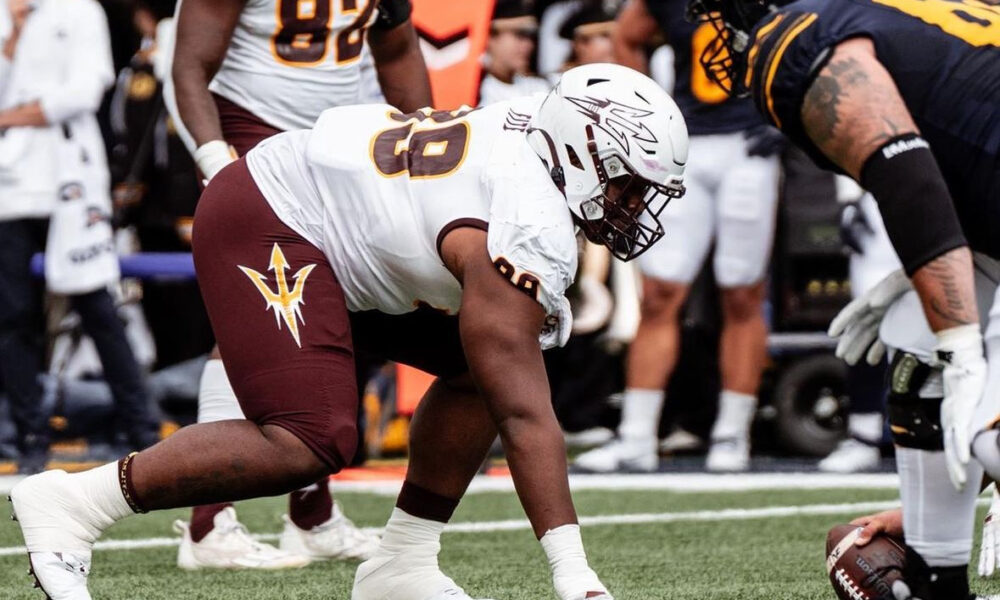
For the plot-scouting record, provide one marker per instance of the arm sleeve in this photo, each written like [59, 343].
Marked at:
[90, 70]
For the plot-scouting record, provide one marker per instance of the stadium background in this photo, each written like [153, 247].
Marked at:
[651, 534]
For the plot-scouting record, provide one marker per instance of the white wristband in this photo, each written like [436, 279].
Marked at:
[956, 344]
[212, 157]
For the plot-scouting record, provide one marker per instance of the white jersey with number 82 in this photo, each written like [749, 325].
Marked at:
[289, 60]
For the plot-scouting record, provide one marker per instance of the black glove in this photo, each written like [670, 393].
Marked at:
[765, 141]
[853, 226]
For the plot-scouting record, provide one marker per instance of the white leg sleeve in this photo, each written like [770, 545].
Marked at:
[216, 398]
[938, 521]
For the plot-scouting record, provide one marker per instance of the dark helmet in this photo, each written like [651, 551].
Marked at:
[725, 56]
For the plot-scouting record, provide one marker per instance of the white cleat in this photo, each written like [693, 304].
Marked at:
[621, 456]
[851, 456]
[59, 531]
[589, 438]
[730, 455]
[338, 539]
[229, 546]
[389, 576]
[680, 440]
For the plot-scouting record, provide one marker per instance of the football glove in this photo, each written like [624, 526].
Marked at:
[857, 323]
[990, 547]
[960, 352]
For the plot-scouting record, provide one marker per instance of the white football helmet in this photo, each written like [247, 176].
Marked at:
[615, 144]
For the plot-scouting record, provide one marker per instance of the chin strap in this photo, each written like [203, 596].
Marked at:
[556, 170]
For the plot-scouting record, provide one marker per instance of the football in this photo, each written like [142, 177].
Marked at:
[862, 573]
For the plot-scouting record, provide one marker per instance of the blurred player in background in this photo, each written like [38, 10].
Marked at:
[589, 30]
[402, 221]
[55, 66]
[244, 71]
[905, 98]
[871, 260]
[507, 62]
[732, 197]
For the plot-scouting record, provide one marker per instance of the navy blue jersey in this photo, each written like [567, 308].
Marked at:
[944, 56]
[706, 107]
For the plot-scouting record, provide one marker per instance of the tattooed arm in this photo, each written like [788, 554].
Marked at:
[853, 108]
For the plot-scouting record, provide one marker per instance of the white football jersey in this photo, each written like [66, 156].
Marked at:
[289, 60]
[377, 191]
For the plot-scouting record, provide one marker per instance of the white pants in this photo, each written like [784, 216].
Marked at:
[938, 520]
[732, 198]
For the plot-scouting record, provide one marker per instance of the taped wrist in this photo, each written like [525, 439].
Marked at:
[212, 157]
[392, 13]
[914, 200]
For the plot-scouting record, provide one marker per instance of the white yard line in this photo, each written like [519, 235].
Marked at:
[729, 514]
[673, 482]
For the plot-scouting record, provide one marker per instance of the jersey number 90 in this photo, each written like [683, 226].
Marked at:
[303, 34]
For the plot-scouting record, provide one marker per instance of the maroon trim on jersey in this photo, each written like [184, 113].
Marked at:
[453, 225]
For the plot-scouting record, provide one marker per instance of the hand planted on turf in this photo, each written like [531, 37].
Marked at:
[857, 323]
[889, 522]
[990, 547]
[583, 584]
[960, 352]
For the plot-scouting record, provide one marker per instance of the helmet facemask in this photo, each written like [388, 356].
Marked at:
[623, 212]
[724, 57]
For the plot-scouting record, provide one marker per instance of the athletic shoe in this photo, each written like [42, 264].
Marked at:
[681, 440]
[619, 455]
[851, 456]
[59, 532]
[390, 576]
[728, 455]
[229, 546]
[338, 538]
[588, 438]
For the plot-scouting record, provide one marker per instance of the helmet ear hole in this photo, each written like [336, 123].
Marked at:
[574, 159]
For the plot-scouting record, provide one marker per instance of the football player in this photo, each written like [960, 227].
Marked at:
[732, 185]
[401, 221]
[243, 71]
[905, 98]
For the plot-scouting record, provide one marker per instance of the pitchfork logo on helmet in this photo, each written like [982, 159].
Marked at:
[615, 145]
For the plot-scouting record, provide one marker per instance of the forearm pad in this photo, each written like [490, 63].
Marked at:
[914, 200]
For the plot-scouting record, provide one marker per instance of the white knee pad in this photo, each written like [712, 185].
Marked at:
[938, 521]
[216, 398]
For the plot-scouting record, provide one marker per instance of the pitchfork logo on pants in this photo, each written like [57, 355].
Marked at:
[287, 304]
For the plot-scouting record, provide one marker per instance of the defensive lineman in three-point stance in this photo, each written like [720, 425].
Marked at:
[370, 214]
[242, 72]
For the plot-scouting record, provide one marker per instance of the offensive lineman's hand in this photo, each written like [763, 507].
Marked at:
[857, 323]
[960, 352]
[889, 522]
[990, 547]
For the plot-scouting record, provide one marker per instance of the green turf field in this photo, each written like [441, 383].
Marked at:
[702, 555]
